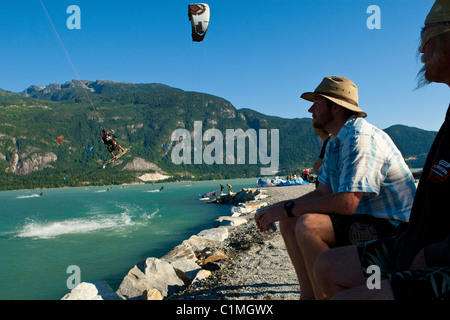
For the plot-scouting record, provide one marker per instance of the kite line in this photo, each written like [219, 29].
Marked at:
[69, 59]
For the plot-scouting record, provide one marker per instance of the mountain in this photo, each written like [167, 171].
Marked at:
[145, 116]
[414, 143]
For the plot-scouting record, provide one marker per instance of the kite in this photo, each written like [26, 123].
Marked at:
[90, 149]
[166, 146]
[59, 139]
[199, 16]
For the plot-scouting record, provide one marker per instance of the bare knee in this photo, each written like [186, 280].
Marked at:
[306, 223]
[324, 270]
[314, 227]
[338, 269]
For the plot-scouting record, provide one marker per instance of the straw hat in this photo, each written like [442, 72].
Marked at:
[440, 12]
[436, 23]
[340, 90]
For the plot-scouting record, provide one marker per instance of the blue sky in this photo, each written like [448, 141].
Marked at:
[258, 54]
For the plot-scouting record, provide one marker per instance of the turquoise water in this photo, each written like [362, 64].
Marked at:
[103, 230]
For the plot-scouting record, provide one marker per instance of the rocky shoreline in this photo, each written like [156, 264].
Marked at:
[230, 261]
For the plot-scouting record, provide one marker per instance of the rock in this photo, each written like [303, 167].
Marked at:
[215, 234]
[134, 284]
[229, 221]
[34, 162]
[186, 270]
[181, 252]
[211, 266]
[241, 196]
[152, 294]
[216, 255]
[153, 177]
[95, 290]
[140, 164]
[151, 274]
[199, 243]
[237, 211]
[212, 260]
[226, 198]
[201, 275]
[183, 276]
[254, 205]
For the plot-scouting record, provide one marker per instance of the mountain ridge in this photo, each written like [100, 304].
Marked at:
[145, 116]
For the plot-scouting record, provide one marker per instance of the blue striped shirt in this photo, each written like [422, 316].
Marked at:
[363, 158]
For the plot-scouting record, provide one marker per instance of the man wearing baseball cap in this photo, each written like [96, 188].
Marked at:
[415, 264]
[365, 192]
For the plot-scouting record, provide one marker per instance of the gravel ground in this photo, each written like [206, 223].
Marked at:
[258, 267]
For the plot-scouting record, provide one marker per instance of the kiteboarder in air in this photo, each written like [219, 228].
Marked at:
[109, 139]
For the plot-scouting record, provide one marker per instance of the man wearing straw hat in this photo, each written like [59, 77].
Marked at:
[415, 264]
[365, 191]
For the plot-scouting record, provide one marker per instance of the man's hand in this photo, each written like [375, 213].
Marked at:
[266, 216]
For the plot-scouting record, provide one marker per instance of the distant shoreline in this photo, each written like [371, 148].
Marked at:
[130, 184]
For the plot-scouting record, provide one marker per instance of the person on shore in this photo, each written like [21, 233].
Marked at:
[324, 136]
[305, 175]
[415, 264]
[110, 140]
[365, 191]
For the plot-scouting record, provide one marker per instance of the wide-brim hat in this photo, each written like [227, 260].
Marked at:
[440, 12]
[340, 90]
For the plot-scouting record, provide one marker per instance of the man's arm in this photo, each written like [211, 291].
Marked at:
[325, 201]
[321, 200]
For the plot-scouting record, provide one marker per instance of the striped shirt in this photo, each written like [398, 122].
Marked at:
[363, 158]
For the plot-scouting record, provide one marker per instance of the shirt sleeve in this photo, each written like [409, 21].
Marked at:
[323, 175]
[364, 165]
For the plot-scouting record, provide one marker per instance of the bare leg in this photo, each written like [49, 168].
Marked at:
[338, 269]
[314, 234]
[287, 229]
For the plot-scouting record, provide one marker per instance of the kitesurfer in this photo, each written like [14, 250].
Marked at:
[109, 139]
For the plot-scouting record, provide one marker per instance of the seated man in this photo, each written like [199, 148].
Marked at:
[365, 191]
[415, 264]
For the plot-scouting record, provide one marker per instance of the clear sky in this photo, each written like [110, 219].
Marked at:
[258, 54]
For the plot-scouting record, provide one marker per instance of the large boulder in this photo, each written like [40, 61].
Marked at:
[153, 273]
[198, 243]
[181, 252]
[186, 270]
[214, 234]
[229, 221]
[94, 290]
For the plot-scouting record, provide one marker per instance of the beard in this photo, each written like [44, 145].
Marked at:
[422, 81]
[425, 75]
[323, 123]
